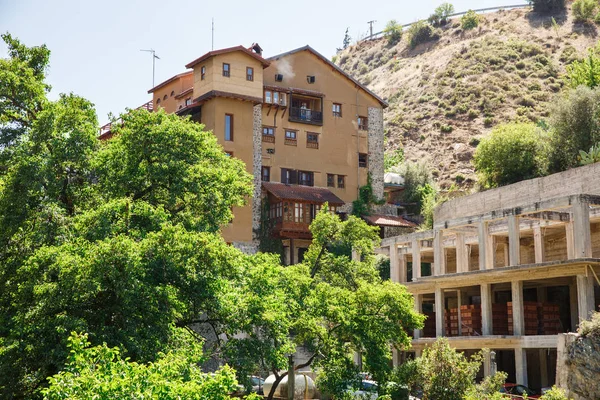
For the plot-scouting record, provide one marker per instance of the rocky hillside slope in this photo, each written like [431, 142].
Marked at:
[446, 94]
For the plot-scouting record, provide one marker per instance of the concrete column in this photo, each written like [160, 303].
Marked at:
[419, 309]
[517, 308]
[514, 245]
[416, 259]
[483, 245]
[573, 305]
[490, 251]
[439, 257]
[486, 309]
[462, 262]
[521, 366]
[394, 264]
[487, 364]
[544, 367]
[585, 296]
[570, 240]
[459, 303]
[418, 353]
[439, 312]
[395, 358]
[581, 230]
[538, 244]
[402, 267]
[506, 257]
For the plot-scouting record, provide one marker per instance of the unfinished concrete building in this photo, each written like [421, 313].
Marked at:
[507, 269]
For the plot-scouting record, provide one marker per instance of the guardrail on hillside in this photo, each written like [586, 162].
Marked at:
[481, 10]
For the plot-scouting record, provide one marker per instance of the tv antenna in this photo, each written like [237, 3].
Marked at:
[154, 58]
[371, 28]
[213, 35]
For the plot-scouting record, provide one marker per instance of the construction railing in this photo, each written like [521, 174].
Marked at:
[104, 129]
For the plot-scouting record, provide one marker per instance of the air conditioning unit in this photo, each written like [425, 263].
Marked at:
[270, 151]
[310, 79]
[278, 77]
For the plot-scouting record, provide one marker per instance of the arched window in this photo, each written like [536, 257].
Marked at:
[164, 98]
[157, 101]
[172, 93]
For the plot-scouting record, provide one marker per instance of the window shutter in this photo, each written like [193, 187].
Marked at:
[293, 177]
[284, 175]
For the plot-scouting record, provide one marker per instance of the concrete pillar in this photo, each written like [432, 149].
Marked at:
[570, 240]
[439, 256]
[521, 366]
[517, 308]
[402, 267]
[394, 264]
[514, 245]
[418, 353]
[439, 312]
[486, 309]
[538, 244]
[487, 364]
[505, 251]
[416, 259]
[395, 358]
[462, 262]
[483, 245]
[573, 305]
[544, 367]
[459, 303]
[581, 230]
[490, 251]
[585, 296]
[419, 309]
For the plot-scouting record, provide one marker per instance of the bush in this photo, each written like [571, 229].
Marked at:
[470, 20]
[547, 5]
[555, 394]
[421, 32]
[585, 72]
[591, 327]
[416, 175]
[511, 153]
[393, 158]
[441, 14]
[584, 10]
[488, 389]
[575, 122]
[393, 32]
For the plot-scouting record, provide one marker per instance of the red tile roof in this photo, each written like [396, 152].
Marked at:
[388, 220]
[210, 54]
[302, 193]
[171, 79]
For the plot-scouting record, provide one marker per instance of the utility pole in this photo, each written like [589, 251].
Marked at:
[371, 28]
[154, 58]
[291, 378]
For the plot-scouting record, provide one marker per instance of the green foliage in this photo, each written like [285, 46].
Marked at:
[429, 200]
[488, 389]
[590, 157]
[575, 121]
[441, 14]
[511, 153]
[590, 327]
[366, 199]
[584, 10]
[393, 32]
[416, 176]
[555, 394]
[392, 159]
[547, 5]
[585, 72]
[470, 20]
[101, 372]
[347, 40]
[421, 32]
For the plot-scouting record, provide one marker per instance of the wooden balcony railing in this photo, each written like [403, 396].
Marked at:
[306, 116]
[268, 138]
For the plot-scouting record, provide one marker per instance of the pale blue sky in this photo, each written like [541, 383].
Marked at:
[95, 43]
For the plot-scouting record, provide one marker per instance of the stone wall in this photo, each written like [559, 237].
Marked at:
[582, 180]
[578, 366]
[256, 172]
[376, 138]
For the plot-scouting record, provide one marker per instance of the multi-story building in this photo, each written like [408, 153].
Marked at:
[308, 132]
[507, 269]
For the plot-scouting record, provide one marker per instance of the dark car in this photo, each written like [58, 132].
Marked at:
[519, 390]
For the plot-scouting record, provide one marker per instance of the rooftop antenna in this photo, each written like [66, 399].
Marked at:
[213, 34]
[371, 28]
[154, 58]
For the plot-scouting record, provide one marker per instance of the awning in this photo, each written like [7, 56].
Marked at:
[388, 220]
[302, 193]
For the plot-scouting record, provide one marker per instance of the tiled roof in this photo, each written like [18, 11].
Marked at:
[208, 55]
[388, 220]
[302, 193]
[171, 79]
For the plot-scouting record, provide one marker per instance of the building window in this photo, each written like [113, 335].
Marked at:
[330, 180]
[226, 70]
[268, 134]
[268, 97]
[157, 101]
[172, 93]
[228, 127]
[202, 72]
[266, 174]
[249, 73]
[165, 97]
[312, 140]
[341, 182]
[363, 160]
[306, 178]
[363, 123]
[275, 97]
[188, 101]
[229, 153]
[289, 176]
[337, 110]
[291, 138]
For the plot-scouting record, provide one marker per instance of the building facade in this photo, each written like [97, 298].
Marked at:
[507, 269]
[308, 133]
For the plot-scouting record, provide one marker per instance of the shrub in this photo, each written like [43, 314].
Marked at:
[429, 200]
[441, 14]
[585, 72]
[472, 114]
[511, 153]
[547, 5]
[393, 158]
[416, 175]
[393, 32]
[446, 128]
[421, 32]
[591, 327]
[555, 394]
[488, 389]
[590, 157]
[470, 20]
[584, 10]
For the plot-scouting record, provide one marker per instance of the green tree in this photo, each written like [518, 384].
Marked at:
[441, 14]
[347, 40]
[584, 10]
[547, 5]
[102, 373]
[511, 153]
[417, 175]
[488, 389]
[585, 72]
[393, 32]
[575, 123]
[421, 32]
[470, 20]
[393, 159]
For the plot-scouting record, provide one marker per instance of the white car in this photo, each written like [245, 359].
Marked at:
[367, 391]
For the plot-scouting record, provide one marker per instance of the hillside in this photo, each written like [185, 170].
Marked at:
[446, 94]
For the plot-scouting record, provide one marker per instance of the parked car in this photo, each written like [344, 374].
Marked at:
[367, 391]
[257, 384]
[519, 390]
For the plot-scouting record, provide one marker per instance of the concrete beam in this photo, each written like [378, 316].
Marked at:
[514, 240]
[517, 308]
[439, 312]
[550, 216]
[521, 366]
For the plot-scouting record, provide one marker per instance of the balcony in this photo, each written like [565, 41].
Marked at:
[306, 116]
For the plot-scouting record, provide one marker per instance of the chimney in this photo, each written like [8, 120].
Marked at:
[256, 48]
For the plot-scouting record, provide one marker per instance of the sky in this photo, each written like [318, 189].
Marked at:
[95, 45]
